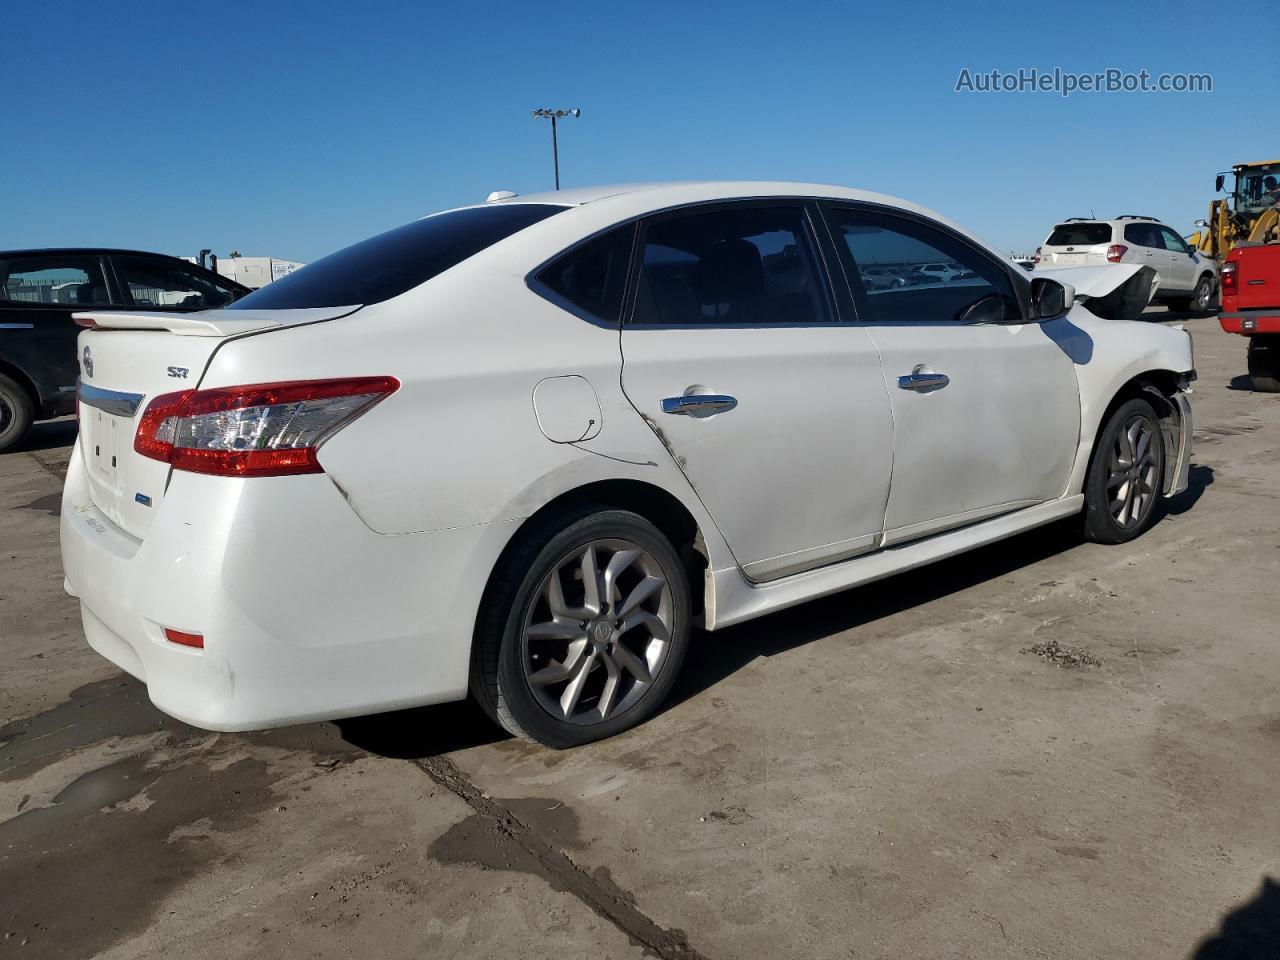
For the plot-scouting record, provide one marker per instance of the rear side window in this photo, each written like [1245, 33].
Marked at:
[592, 276]
[1143, 235]
[735, 266]
[57, 279]
[1079, 235]
[159, 283]
[387, 265]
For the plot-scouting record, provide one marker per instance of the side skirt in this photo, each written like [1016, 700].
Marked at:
[733, 598]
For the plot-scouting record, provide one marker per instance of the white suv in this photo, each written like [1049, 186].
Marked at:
[1186, 280]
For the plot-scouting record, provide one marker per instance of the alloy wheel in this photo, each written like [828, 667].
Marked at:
[6, 414]
[1131, 482]
[1203, 295]
[598, 632]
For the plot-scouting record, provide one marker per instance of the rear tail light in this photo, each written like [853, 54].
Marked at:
[1229, 275]
[87, 322]
[1116, 252]
[261, 430]
[1035, 258]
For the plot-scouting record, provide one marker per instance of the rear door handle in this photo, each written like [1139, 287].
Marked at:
[922, 380]
[699, 404]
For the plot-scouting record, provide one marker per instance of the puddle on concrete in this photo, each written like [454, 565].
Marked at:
[118, 707]
[87, 872]
[50, 504]
[493, 845]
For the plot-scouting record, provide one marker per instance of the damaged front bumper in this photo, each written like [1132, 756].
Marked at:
[1177, 428]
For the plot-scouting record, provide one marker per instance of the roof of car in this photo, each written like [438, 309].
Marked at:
[88, 250]
[576, 196]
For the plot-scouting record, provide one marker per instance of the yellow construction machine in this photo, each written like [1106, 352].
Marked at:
[1248, 214]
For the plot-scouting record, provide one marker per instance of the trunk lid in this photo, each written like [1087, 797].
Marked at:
[1258, 277]
[126, 361]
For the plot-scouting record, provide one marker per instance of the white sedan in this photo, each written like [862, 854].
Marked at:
[521, 449]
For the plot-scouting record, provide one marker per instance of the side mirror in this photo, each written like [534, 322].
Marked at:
[1050, 299]
[1217, 184]
[990, 309]
[1201, 223]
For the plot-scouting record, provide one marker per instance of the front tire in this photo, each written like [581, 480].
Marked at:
[16, 413]
[1126, 474]
[584, 628]
[1264, 363]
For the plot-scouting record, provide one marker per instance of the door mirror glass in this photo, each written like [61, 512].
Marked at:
[1218, 182]
[1050, 298]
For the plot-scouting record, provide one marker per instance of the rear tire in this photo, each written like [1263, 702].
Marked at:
[1264, 363]
[17, 412]
[583, 628]
[1126, 475]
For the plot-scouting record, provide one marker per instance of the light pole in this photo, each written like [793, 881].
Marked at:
[555, 146]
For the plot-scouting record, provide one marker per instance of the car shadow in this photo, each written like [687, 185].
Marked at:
[715, 656]
[1198, 479]
[1244, 382]
[422, 732]
[1158, 314]
[1249, 932]
[48, 435]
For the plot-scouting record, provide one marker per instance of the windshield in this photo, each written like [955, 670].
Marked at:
[1079, 234]
[1258, 188]
[387, 265]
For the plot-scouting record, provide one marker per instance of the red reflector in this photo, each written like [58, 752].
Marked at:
[186, 639]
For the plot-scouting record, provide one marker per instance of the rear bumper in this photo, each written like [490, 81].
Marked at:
[1249, 322]
[306, 613]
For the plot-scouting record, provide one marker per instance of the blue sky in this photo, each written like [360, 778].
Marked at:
[292, 129]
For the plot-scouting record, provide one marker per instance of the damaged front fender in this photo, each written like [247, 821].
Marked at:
[1118, 291]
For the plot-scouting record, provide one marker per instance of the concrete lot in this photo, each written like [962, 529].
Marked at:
[887, 773]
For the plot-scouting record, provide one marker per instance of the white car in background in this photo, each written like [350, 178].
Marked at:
[1185, 279]
[521, 449]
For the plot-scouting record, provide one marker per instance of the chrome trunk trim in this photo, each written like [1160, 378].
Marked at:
[115, 402]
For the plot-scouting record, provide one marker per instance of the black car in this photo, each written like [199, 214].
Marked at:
[41, 289]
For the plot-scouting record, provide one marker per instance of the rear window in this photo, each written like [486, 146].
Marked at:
[387, 265]
[1079, 235]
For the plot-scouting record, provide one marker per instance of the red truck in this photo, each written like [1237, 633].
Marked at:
[1251, 307]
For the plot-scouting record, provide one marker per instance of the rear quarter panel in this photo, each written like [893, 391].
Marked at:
[459, 443]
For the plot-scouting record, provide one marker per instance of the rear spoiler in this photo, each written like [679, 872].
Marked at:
[1115, 292]
[207, 323]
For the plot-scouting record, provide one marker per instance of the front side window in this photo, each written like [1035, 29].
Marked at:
[592, 276]
[1173, 242]
[164, 285]
[56, 280]
[739, 265]
[934, 277]
[387, 265]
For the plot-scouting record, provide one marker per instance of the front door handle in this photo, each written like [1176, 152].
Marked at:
[699, 404]
[922, 380]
